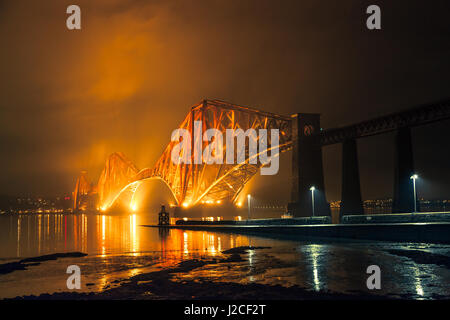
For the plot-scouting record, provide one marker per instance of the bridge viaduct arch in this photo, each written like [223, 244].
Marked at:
[307, 168]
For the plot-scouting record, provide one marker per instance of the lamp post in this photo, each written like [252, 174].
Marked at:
[312, 198]
[413, 178]
[248, 198]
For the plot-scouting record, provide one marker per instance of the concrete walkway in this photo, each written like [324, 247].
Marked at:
[432, 232]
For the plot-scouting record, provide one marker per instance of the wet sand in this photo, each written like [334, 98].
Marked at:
[184, 282]
[162, 284]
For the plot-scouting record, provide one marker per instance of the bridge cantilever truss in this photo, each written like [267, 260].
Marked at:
[192, 183]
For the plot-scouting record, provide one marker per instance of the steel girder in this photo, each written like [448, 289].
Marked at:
[408, 118]
[191, 183]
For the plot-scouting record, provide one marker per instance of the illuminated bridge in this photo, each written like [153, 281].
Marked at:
[192, 184]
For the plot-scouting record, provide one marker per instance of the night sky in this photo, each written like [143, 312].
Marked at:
[128, 78]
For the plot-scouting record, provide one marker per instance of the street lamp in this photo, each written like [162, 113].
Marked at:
[248, 198]
[312, 198]
[413, 178]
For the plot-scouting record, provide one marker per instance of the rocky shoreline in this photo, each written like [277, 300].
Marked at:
[181, 282]
[34, 261]
[161, 285]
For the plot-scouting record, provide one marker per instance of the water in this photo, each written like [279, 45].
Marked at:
[119, 247]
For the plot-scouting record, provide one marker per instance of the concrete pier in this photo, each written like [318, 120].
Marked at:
[419, 217]
[434, 232]
[430, 227]
[307, 167]
[403, 200]
[351, 188]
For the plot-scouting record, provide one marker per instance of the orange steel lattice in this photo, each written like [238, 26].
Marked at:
[82, 189]
[192, 183]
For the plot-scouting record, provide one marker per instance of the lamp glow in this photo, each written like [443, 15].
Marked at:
[312, 198]
[414, 177]
[248, 198]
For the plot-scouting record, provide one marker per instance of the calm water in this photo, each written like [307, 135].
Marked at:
[119, 247]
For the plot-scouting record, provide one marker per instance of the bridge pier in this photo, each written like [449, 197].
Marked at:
[351, 202]
[403, 200]
[307, 167]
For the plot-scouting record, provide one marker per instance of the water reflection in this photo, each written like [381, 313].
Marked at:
[417, 281]
[18, 237]
[312, 252]
[120, 245]
[33, 235]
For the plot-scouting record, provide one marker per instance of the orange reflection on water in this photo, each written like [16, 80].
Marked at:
[33, 235]
[18, 237]
[39, 233]
[185, 244]
[103, 235]
[134, 247]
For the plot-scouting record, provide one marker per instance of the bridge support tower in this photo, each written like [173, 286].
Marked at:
[403, 200]
[351, 202]
[307, 167]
